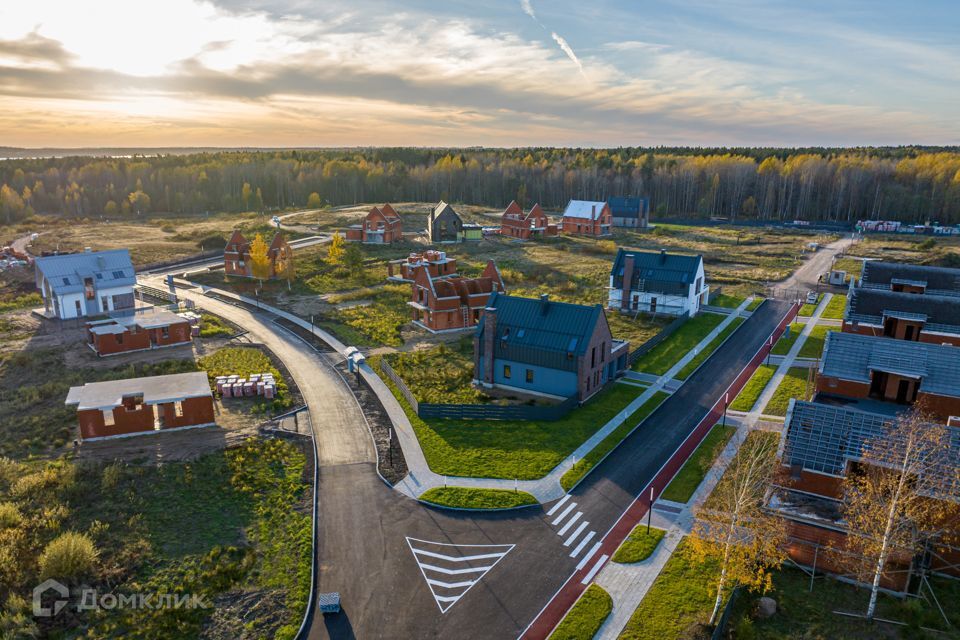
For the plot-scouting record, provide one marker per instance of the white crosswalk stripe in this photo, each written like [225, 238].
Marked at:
[563, 514]
[437, 560]
[576, 533]
[570, 522]
[583, 543]
[596, 567]
[587, 557]
[559, 504]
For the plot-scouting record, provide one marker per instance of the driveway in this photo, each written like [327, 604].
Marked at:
[805, 277]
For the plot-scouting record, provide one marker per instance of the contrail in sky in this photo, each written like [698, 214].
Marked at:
[527, 7]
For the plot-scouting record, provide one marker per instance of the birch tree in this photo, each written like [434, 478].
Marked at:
[900, 496]
[733, 527]
[259, 260]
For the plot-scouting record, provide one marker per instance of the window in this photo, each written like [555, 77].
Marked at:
[88, 291]
[593, 357]
[79, 309]
[506, 371]
[104, 304]
[529, 376]
[99, 276]
[66, 281]
[118, 274]
[108, 418]
[165, 332]
[603, 352]
[119, 338]
[178, 409]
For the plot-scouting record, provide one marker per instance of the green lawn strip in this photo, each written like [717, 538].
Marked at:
[705, 353]
[726, 301]
[835, 308]
[756, 302]
[474, 498]
[212, 326]
[751, 391]
[783, 345]
[691, 474]
[586, 616]
[442, 374]
[681, 597]
[794, 385]
[666, 354]
[13, 302]
[639, 544]
[608, 444]
[523, 449]
[813, 345]
[807, 309]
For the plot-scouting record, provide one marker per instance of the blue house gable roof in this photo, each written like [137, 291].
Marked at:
[660, 271]
[622, 207]
[65, 273]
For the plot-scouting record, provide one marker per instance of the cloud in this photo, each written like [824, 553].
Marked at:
[527, 7]
[567, 50]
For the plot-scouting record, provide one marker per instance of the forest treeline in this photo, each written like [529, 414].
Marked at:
[898, 183]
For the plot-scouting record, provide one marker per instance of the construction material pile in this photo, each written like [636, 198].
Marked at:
[258, 384]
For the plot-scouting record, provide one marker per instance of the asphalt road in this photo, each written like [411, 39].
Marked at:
[805, 277]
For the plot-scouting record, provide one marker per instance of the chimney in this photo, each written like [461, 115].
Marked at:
[87, 250]
[544, 303]
[628, 262]
[593, 212]
[663, 256]
[486, 349]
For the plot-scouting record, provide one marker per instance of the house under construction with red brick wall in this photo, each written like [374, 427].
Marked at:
[382, 225]
[139, 329]
[514, 223]
[437, 264]
[447, 304]
[236, 255]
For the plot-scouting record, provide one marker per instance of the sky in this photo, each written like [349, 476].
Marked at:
[506, 73]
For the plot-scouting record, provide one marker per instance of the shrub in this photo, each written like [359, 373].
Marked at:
[70, 555]
[215, 241]
[9, 515]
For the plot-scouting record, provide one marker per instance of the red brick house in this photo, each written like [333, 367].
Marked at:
[437, 263]
[143, 328]
[236, 255]
[381, 226]
[514, 223]
[142, 405]
[586, 218]
[445, 304]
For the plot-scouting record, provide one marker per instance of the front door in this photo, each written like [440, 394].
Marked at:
[653, 305]
[908, 333]
[903, 392]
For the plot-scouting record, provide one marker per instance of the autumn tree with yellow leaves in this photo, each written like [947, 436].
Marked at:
[259, 260]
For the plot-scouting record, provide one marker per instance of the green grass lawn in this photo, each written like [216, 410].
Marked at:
[666, 354]
[853, 266]
[756, 302]
[784, 344]
[751, 391]
[681, 597]
[473, 498]
[835, 308]
[794, 385]
[813, 345]
[639, 544]
[623, 326]
[244, 361]
[691, 474]
[583, 466]
[726, 301]
[442, 374]
[511, 448]
[707, 351]
[212, 326]
[807, 309]
[586, 616]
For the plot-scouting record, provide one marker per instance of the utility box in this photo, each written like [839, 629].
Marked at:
[838, 277]
[329, 602]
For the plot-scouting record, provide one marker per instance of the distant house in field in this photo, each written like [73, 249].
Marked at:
[657, 282]
[444, 224]
[858, 367]
[905, 316]
[471, 232]
[437, 263]
[91, 283]
[451, 303]
[548, 348]
[236, 255]
[136, 330]
[514, 223]
[632, 213]
[142, 405]
[381, 226]
[587, 218]
[910, 278]
[821, 445]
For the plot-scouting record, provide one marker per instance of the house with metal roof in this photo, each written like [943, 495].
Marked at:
[135, 406]
[630, 212]
[452, 303]
[77, 285]
[587, 218]
[910, 278]
[444, 224]
[859, 367]
[541, 347]
[902, 315]
[657, 282]
[821, 444]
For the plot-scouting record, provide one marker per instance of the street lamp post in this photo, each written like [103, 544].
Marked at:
[726, 402]
[650, 510]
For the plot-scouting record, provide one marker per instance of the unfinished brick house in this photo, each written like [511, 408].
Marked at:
[863, 370]
[514, 223]
[236, 255]
[820, 446]
[920, 317]
[540, 347]
[910, 278]
[437, 263]
[142, 405]
[139, 329]
[381, 226]
[586, 218]
[449, 304]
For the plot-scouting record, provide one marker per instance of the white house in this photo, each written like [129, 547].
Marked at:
[91, 283]
[657, 282]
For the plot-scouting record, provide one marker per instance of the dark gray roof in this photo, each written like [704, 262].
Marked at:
[659, 271]
[939, 313]
[66, 272]
[851, 356]
[543, 332]
[823, 438]
[625, 207]
[876, 273]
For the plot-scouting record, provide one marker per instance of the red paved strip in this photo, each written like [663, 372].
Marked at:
[553, 613]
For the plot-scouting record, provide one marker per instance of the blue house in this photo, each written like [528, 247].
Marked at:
[628, 212]
[77, 285]
[541, 347]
